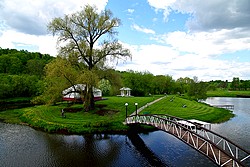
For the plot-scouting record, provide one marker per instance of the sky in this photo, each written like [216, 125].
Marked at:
[180, 38]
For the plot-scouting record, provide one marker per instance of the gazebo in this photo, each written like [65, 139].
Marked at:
[125, 91]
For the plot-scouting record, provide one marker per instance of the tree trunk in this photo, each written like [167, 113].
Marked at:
[92, 101]
[89, 102]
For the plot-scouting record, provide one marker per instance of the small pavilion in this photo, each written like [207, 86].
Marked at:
[125, 91]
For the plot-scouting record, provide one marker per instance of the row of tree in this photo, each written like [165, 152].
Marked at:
[145, 83]
[236, 84]
[15, 62]
[20, 86]
[21, 73]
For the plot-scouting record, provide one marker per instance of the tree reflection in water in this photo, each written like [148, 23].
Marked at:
[87, 150]
[145, 151]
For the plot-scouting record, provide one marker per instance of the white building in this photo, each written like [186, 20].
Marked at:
[125, 91]
[73, 93]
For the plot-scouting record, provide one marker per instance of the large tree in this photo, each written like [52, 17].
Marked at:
[87, 37]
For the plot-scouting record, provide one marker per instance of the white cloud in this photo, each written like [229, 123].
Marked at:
[166, 60]
[211, 15]
[24, 23]
[206, 43]
[131, 11]
[32, 16]
[161, 5]
[142, 29]
[44, 44]
[214, 28]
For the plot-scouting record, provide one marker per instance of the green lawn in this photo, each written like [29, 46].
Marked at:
[193, 110]
[49, 118]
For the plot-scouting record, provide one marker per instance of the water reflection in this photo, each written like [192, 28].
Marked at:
[141, 147]
[87, 150]
[25, 147]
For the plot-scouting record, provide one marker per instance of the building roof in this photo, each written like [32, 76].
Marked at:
[124, 88]
[78, 87]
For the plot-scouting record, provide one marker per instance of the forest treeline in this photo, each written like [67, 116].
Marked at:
[22, 75]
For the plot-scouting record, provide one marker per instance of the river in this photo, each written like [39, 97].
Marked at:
[23, 146]
[236, 129]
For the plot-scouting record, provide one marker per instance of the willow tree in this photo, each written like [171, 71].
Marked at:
[88, 36]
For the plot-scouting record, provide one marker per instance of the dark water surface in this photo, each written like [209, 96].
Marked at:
[236, 129]
[22, 146]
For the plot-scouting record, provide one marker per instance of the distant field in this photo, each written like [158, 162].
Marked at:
[226, 93]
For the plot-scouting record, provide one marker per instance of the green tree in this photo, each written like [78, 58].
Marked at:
[112, 82]
[235, 85]
[197, 89]
[4, 63]
[163, 84]
[182, 84]
[105, 86]
[60, 75]
[10, 64]
[81, 32]
[139, 82]
[35, 67]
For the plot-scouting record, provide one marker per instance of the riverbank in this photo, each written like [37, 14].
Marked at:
[110, 115]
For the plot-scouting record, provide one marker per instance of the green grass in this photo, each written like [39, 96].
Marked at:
[16, 99]
[193, 110]
[11, 116]
[48, 118]
[226, 93]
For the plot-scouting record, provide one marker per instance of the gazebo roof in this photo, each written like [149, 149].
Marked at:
[124, 88]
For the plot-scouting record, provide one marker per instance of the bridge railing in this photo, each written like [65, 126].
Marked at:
[194, 134]
[225, 144]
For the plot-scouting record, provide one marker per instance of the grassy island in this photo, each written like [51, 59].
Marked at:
[109, 114]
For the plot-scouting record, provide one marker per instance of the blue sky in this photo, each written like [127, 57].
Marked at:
[210, 40]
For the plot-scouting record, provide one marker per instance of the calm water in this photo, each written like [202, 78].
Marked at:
[23, 146]
[238, 128]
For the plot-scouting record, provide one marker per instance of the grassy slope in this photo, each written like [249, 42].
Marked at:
[49, 118]
[193, 110]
